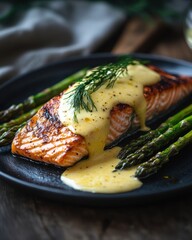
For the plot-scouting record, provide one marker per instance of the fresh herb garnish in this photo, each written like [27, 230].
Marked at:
[80, 95]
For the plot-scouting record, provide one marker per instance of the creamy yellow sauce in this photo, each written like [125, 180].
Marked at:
[96, 175]
[94, 126]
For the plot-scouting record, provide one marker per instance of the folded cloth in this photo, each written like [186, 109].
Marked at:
[49, 33]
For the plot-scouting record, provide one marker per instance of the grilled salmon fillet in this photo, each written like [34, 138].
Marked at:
[44, 138]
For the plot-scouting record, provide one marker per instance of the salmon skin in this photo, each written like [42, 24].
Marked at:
[44, 138]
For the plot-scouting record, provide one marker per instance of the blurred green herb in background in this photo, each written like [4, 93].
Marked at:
[167, 10]
[10, 10]
[146, 9]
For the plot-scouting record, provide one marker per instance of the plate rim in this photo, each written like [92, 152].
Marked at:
[97, 55]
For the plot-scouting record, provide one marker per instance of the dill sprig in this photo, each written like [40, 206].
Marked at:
[80, 95]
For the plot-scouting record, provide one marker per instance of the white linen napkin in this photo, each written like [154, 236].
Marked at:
[47, 34]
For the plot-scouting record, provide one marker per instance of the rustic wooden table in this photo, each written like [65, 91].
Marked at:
[27, 217]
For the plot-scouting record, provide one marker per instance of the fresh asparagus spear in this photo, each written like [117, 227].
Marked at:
[7, 137]
[40, 98]
[8, 130]
[6, 126]
[155, 163]
[134, 145]
[150, 148]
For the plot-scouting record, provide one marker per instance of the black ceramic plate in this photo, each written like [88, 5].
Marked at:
[45, 180]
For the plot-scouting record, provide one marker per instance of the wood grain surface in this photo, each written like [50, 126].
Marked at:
[29, 217]
[25, 216]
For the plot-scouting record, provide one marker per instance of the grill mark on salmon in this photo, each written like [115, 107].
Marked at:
[45, 138]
